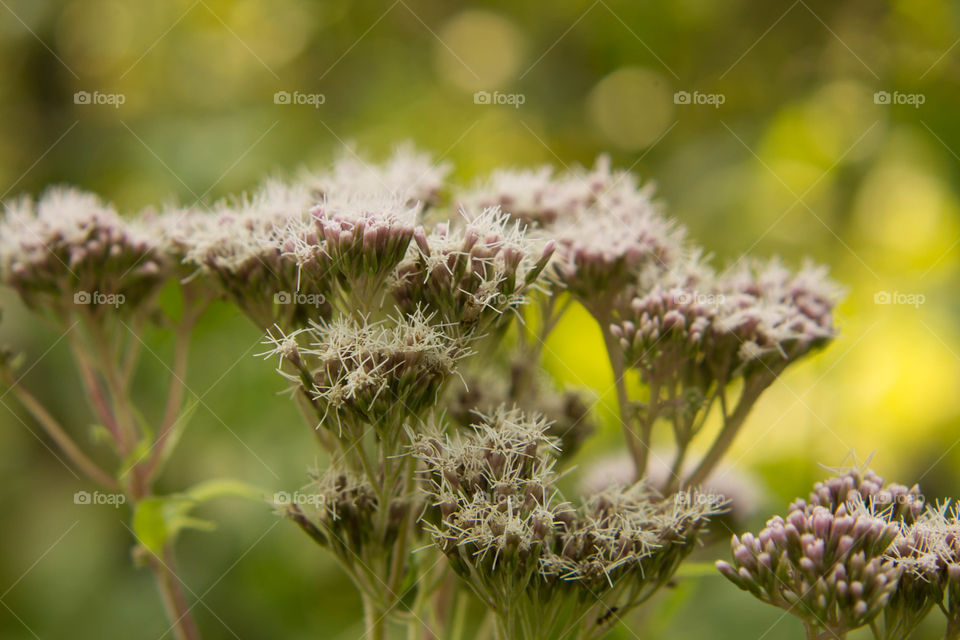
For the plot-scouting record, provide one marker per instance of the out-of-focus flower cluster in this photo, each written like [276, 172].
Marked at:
[704, 327]
[500, 520]
[70, 251]
[690, 332]
[414, 176]
[529, 388]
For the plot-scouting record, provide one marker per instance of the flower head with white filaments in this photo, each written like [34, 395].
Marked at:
[69, 249]
[471, 273]
[358, 373]
[503, 525]
[365, 235]
[604, 252]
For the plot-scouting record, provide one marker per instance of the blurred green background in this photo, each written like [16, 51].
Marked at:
[803, 158]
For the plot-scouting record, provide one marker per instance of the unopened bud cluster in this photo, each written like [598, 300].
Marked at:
[828, 568]
[541, 198]
[527, 387]
[343, 514]
[857, 552]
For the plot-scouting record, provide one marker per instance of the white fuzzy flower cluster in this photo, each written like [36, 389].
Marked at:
[365, 235]
[69, 249]
[542, 198]
[243, 246]
[412, 176]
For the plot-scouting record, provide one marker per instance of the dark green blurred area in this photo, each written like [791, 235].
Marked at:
[800, 159]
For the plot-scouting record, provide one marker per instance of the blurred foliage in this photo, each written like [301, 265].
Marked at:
[798, 160]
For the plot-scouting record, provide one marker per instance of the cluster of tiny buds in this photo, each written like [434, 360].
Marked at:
[663, 314]
[245, 247]
[340, 510]
[856, 552]
[369, 371]
[365, 235]
[472, 273]
[608, 251]
[825, 567]
[863, 486]
[70, 248]
[769, 309]
[726, 321]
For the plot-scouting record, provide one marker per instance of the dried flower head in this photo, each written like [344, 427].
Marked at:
[504, 527]
[377, 374]
[70, 251]
[471, 274]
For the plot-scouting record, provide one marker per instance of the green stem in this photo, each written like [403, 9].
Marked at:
[59, 436]
[638, 445]
[731, 425]
[374, 620]
[174, 601]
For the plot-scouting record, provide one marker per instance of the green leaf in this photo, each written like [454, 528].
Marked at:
[159, 519]
[140, 453]
[224, 487]
[99, 434]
